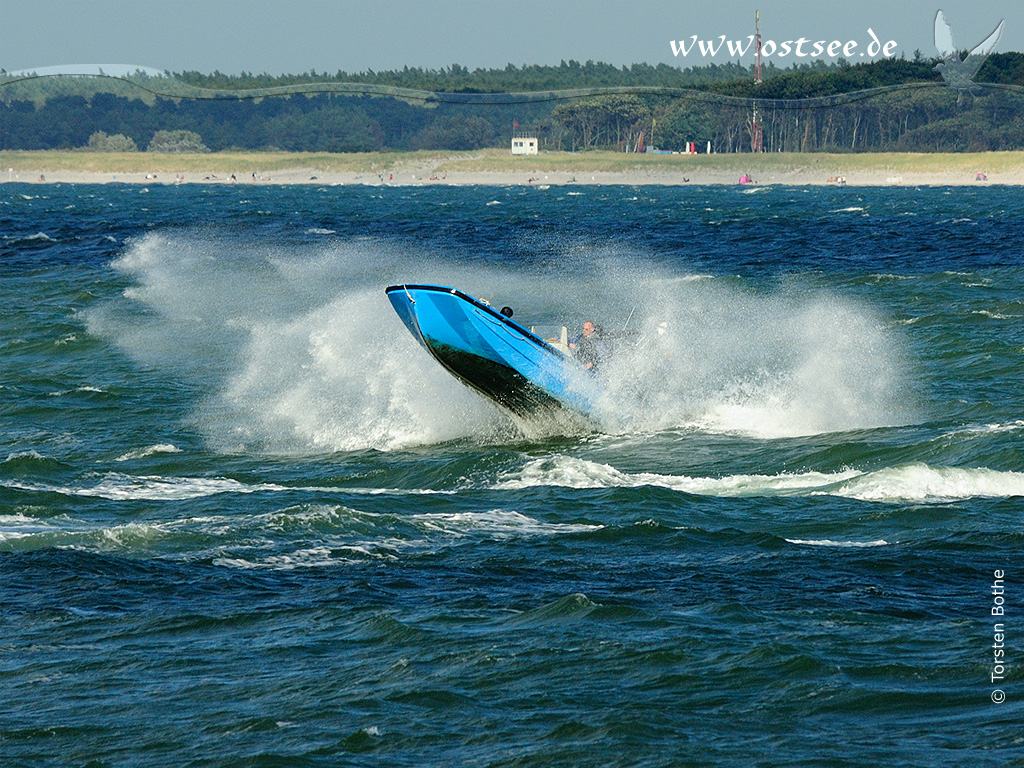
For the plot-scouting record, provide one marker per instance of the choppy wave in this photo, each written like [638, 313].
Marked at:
[841, 544]
[320, 501]
[910, 483]
[121, 487]
[149, 450]
[920, 482]
[22, 456]
[303, 536]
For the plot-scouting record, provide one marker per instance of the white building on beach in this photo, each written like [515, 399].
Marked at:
[523, 144]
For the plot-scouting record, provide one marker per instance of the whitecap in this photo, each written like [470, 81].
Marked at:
[149, 450]
[77, 390]
[132, 534]
[118, 487]
[6, 536]
[831, 543]
[20, 455]
[578, 473]
[495, 522]
[923, 483]
[911, 483]
[313, 557]
[993, 315]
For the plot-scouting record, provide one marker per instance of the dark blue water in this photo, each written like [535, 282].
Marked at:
[246, 521]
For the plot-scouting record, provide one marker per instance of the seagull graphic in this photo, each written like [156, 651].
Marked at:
[955, 72]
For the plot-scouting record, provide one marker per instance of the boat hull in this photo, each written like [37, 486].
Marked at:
[493, 354]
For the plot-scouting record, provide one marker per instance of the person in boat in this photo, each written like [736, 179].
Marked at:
[587, 346]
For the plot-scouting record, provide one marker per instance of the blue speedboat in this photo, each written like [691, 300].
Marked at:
[516, 368]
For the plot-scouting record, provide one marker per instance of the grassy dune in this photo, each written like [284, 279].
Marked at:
[617, 162]
[221, 162]
[500, 161]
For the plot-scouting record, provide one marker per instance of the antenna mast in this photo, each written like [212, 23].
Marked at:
[756, 131]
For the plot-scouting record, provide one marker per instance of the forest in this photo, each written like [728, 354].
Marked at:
[805, 108]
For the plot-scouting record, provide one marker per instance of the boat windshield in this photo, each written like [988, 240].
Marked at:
[549, 332]
[555, 335]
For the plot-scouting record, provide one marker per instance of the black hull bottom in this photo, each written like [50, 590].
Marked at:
[503, 385]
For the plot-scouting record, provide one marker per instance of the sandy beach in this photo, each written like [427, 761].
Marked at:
[496, 167]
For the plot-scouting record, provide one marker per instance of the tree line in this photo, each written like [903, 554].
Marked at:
[107, 114]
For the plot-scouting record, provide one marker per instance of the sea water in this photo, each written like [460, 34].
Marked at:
[245, 520]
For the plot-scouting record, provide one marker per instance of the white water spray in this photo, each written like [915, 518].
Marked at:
[297, 349]
[793, 362]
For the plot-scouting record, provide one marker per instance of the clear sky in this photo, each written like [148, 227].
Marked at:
[294, 36]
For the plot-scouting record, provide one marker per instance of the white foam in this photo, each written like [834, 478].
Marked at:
[118, 487]
[386, 491]
[429, 531]
[831, 543]
[579, 473]
[132, 535]
[911, 483]
[30, 454]
[77, 390]
[17, 526]
[6, 536]
[993, 315]
[317, 535]
[312, 557]
[495, 522]
[984, 429]
[150, 450]
[922, 483]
